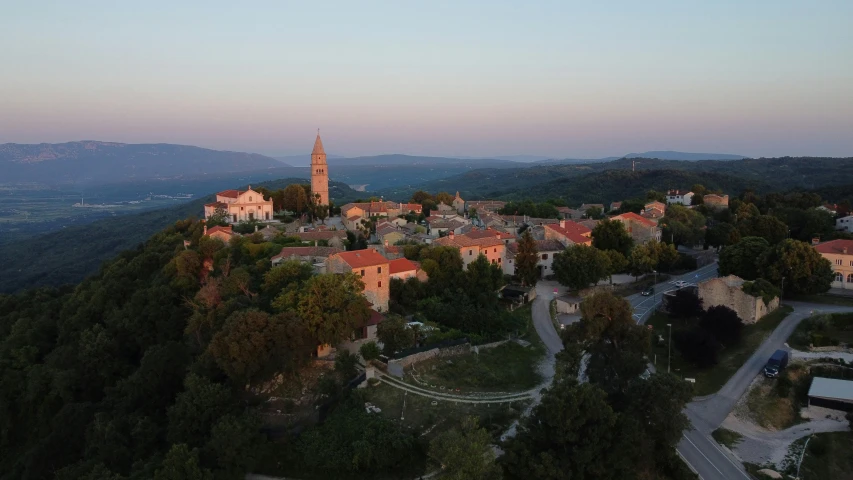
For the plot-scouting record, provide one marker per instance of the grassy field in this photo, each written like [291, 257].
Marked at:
[770, 410]
[823, 330]
[828, 456]
[710, 380]
[726, 437]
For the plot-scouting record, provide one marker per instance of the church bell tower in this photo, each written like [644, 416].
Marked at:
[319, 172]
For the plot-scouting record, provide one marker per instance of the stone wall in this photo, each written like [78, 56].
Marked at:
[750, 309]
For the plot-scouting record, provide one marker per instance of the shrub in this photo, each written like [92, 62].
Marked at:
[784, 386]
[723, 323]
[817, 447]
[684, 304]
[698, 347]
[369, 351]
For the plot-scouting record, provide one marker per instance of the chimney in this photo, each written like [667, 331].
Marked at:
[844, 250]
[386, 243]
[562, 224]
[450, 234]
[815, 240]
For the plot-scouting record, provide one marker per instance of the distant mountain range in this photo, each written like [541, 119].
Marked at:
[92, 162]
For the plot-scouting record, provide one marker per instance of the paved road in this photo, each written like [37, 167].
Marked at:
[697, 447]
[642, 305]
[542, 315]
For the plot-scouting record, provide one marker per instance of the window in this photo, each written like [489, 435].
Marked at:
[850, 278]
[851, 263]
[378, 269]
[495, 251]
[544, 256]
[839, 277]
[362, 273]
[380, 284]
[470, 252]
[241, 209]
[250, 199]
[838, 261]
[499, 260]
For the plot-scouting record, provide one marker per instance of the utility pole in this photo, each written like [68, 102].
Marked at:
[782, 290]
[669, 349]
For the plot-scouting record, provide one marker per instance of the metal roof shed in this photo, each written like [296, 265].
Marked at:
[831, 393]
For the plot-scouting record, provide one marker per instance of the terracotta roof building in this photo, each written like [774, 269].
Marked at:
[241, 206]
[493, 248]
[840, 255]
[641, 229]
[223, 233]
[373, 269]
[568, 233]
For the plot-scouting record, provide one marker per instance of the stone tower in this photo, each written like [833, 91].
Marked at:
[319, 172]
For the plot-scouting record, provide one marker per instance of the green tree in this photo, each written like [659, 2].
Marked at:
[722, 234]
[219, 217]
[594, 212]
[723, 323]
[295, 199]
[684, 304]
[527, 260]
[665, 255]
[642, 260]
[254, 346]
[684, 225]
[181, 463]
[332, 305]
[483, 279]
[394, 335]
[465, 452]
[804, 270]
[283, 283]
[346, 364]
[579, 266]
[765, 226]
[611, 235]
[741, 258]
[369, 351]
[196, 409]
[616, 263]
[234, 447]
[570, 434]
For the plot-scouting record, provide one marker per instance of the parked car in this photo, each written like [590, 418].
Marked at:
[648, 292]
[778, 361]
[680, 283]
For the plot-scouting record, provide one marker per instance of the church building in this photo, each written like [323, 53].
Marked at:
[319, 173]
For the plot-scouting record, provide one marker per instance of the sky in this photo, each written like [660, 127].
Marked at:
[562, 79]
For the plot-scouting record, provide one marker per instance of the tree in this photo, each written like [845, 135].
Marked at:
[219, 217]
[465, 452]
[322, 212]
[394, 335]
[765, 226]
[684, 304]
[804, 270]
[369, 351]
[332, 305]
[295, 199]
[723, 323]
[482, 280]
[722, 234]
[665, 254]
[570, 434]
[254, 346]
[642, 260]
[594, 212]
[234, 446]
[578, 266]
[616, 263]
[697, 346]
[346, 364]
[196, 409]
[611, 235]
[527, 260]
[283, 283]
[741, 258]
[444, 197]
[686, 226]
[181, 463]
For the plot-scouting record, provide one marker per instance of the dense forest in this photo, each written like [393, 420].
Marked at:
[69, 255]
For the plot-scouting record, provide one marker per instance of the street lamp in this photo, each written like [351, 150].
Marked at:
[669, 348]
[654, 289]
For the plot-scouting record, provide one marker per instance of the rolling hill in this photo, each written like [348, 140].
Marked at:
[92, 162]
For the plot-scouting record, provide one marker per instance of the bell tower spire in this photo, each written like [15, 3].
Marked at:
[319, 172]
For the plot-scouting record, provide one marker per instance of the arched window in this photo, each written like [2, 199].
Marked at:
[839, 277]
[850, 278]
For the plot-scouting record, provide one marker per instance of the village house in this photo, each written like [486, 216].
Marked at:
[459, 204]
[489, 232]
[641, 229]
[586, 206]
[389, 234]
[546, 248]
[615, 206]
[844, 224]
[404, 269]
[493, 248]
[728, 292]
[241, 206]
[840, 255]
[315, 256]
[713, 200]
[568, 233]
[439, 225]
[444, 209]
[333, 238]
[567, 213]
[373, 270]
[679, 197]
[222, 233]
[830, 208]
[485, 205]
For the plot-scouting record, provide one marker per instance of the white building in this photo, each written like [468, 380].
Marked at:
[844, 223]
[240, 206]
[680, 197]
[546, 248]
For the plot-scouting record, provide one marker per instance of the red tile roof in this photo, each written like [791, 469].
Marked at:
[836, 247]
[635, 217]
[362, 258]
[216, 204]
[476, 233]
[225, 230]
[229, 193]
[574, 232]
[401, 265]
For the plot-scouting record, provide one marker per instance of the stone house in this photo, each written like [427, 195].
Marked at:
[241, 206]
[371, 267]
[438, 225]
[641, 229]
[493, 248]
[586, 206]
[459, 204]
[404, 269]
[315, 256]
[485, 205]
[615, 206]
[445, 209]
[840, 255]
[571, 213]
[333, 238]
[680, 197]
[716, 201]
[568, 233]
[222, 233]
[728, 292]
[389, 234]
[546, 248]
[489, 232]
[656, 206]
[569, 304]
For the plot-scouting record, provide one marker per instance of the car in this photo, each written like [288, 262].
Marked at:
[680, 283]
[648, 292]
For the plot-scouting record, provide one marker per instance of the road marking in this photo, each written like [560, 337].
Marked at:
[703, 455]
[739, 468]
